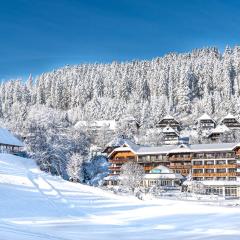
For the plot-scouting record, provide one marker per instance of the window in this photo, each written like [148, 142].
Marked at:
[209, 162]
[210, 155]
[209, 170]
[231, 191]
[197, 163]
[229, 155]
[153, 158]
[221, 178]
[201, 155]
[208, 178]
[214, 190]
[198, 178]
[219, 162]
[221, 170]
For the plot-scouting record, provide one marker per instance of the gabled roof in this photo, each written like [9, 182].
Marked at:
[220, 129]
[117, 142]
[167, 149]
[205, 116]
[7, 138]
[229, 116]
[180, 148]
[169, 129]
[168, 117]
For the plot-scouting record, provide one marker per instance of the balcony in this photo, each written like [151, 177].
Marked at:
[214, 166]
[114, 168]
[180, 158]
[227, 174]
[149, 160]
[113, 174]
[118, 160]
[214, 156]
[180, 166]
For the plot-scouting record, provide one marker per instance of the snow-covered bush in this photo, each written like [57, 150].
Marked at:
[95, 170]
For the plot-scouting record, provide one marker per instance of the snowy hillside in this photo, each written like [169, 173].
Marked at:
[34, 205]
[185, 84]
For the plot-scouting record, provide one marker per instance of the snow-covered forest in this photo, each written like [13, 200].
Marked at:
[43, 111]
[187, 84]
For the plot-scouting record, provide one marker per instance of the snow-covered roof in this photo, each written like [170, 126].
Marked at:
[220, 183]
[117, 142]
[229, 116]
[161, 169]
[168, 116]
[128, 118]
[214, 183]
[220, 129]
[111, 124]
[169, 129]
[181, 148]
[163, 176]
[7, 138]
[205, 116]
[167, 149]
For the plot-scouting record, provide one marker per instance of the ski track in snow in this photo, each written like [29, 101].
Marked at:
[35, 205]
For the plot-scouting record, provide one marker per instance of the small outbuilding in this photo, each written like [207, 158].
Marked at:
[8, 142]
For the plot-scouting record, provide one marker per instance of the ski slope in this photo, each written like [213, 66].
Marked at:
[35, 205]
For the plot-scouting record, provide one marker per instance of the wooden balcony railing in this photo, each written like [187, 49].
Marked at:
[215, 166]
[180, 158]
[227, 174]
[140, 160]
[113, 174]
[120, 160]
[233, 156]
[180, 166]
[114, 168]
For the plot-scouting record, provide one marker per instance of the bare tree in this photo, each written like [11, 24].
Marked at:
[132, 175]
[75, 168]
[196, 187]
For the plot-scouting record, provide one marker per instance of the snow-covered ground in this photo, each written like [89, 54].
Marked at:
[34, 205]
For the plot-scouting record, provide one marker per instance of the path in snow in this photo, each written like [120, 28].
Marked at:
[34, 205]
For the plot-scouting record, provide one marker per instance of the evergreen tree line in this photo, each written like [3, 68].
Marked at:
[184, 85]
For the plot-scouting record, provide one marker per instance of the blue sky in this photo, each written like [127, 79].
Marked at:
[38, 36]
